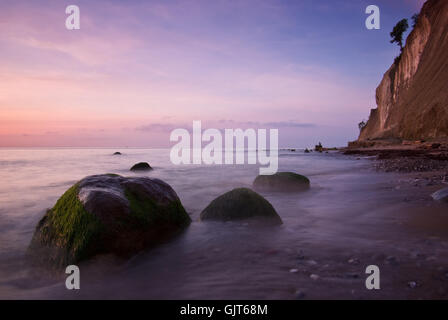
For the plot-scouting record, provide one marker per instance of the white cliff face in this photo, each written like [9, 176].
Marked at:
[400, 89]
[398, 78]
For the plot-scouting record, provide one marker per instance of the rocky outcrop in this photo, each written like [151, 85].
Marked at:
[241, 204]
[107, 214]
[412, 98]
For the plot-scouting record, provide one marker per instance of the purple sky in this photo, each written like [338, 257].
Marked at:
[138, 69]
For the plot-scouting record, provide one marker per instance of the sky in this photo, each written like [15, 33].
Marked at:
[138, 69]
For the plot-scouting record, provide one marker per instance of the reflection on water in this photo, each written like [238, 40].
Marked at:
[349, 211]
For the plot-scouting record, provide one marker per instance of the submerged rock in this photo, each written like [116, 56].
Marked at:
[141, 166]
[282, 181]
[107, 214]
[441, 195]
[239, 204]
[117, 153]
[299, 294]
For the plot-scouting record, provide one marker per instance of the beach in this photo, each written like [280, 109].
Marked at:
[354, 215]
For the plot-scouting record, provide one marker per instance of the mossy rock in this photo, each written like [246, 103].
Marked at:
[241, 204]
[141, 166]
[282, 182]
[107, 214]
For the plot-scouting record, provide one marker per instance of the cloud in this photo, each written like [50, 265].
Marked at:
[289, 124]
[225, 124]
[159, 127]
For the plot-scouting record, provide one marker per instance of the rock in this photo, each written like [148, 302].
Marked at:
[412, 284]
[107, 214]
[299, 294]
[307, 151]
[354, 261]
[314, 277]
[240, 204]
[441, 195]
[312, 262]
[300, 255]
[282, 181]
[141, 166]
[392, 260]
[293, 270]
[117, 153]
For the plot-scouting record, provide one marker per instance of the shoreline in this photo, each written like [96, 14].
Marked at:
[419, 159]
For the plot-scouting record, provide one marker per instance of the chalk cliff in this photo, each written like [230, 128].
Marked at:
[412, 98]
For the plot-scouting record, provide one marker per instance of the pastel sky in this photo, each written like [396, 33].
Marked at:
[138, 69]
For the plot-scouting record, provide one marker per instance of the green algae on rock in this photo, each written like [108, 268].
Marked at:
[281, 181]
[107, 214]
[241, 204]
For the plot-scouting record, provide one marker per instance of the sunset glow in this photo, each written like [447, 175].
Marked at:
[137, 69]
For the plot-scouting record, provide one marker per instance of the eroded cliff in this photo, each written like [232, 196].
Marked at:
[412, 98]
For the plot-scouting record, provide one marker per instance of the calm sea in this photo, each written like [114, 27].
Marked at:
[323, 227]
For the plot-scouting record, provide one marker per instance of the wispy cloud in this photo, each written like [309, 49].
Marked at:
[152, 66]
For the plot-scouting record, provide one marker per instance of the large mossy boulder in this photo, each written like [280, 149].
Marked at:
[441, 195]
[282, 182]
[108, 214]
[141, 166]
[241, 204]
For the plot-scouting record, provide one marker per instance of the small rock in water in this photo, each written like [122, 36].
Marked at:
[300, 255]
[141, 166]
[351, 276]
[241, 204]
[311, 262]
[293, 270]
[354, 261]
[392, 260]
[412, 284]
[314, 277]
[441, 195]
[300, 294]
[418, 255]
[282, 182]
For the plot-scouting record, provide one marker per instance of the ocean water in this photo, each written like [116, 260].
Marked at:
[348, 212]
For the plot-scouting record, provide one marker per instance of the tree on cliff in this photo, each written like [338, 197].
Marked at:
[362, 125]
[415, 20]
[398, 31]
